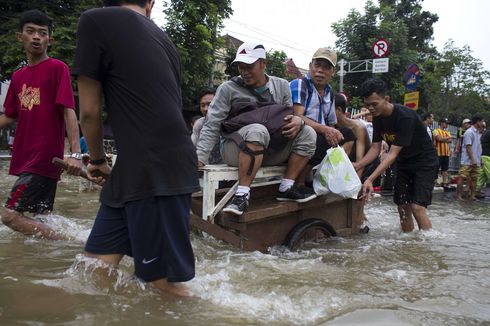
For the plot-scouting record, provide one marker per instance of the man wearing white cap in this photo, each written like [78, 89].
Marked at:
[254, 86]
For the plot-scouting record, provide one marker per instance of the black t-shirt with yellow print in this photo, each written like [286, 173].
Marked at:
[405, 128]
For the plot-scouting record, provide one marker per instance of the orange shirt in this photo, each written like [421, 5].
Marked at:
[441, 147]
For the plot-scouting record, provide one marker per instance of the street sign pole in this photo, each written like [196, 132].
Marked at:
[341, 74]
[376, 66]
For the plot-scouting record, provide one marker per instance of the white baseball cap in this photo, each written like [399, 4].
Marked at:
[250, 52]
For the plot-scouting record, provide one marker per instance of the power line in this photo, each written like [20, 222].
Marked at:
[275, 37]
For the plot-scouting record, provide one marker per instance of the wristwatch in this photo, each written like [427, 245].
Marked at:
[76, 156]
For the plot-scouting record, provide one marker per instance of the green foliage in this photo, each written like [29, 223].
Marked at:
[357, 33]
[456, 84]
[231, 69]
[356, 102]
[419, 23]
[453, 85]
[63, 13]
[276, 64]
[194, 26]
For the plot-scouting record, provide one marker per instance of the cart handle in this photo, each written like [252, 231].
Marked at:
[62, 164]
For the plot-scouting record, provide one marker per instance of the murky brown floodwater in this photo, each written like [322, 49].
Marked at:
[440, 277]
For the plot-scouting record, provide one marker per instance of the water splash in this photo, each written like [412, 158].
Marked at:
[66, 226]
[92, 276]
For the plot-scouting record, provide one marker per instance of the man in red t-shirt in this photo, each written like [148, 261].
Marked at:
[40, 99]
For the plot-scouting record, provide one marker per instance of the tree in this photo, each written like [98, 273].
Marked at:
[63, 13]
[419, 23]
[194, 26]
[231, 69]
[391, 20]
[276, 64]
[456, 84]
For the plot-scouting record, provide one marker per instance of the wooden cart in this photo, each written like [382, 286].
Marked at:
[269, 222]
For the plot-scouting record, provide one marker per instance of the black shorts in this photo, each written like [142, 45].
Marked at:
[414, 186]
[32, 193]
[444, 163]
[154, 231]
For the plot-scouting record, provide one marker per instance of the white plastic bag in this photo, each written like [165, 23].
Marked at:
[337, 175]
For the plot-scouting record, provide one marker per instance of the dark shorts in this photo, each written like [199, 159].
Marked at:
[154, 231]
[444, 163]
[414, 186]
[32, 193]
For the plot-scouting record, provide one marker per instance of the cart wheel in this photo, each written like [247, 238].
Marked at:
[308, 230]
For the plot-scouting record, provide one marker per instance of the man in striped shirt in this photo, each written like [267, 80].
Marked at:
[442, 139]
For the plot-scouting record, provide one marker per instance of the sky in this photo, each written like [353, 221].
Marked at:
[300, 27]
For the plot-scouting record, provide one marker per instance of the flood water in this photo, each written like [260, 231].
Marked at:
[439, 277]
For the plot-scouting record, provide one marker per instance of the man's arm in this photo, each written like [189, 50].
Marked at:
[367, 187]
[360, 146]
[89, 92]
[360, 115]
[442, 139]
[448, 138]
[332, 135]
[370, 156]
[210, 133]
[470, 154]
[71, 124]
[5, 121]
[387, 162]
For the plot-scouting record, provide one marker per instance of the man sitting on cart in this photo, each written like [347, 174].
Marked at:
[313, 100]
[252, 85]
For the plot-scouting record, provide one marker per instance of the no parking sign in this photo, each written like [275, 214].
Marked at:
[381, 48]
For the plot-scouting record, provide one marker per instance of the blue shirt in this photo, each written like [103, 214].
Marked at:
[321, 110]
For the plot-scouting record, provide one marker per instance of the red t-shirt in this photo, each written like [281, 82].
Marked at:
[37, 97]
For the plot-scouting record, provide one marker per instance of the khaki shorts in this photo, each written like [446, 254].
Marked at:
[469, 171]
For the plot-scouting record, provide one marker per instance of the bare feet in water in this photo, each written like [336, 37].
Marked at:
[175, 288]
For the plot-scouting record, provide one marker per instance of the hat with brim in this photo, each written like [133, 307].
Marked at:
[466, 121]
[250, 52]
[327, 54]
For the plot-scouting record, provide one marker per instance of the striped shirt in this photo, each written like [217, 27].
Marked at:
[442, 147]
[321, 110]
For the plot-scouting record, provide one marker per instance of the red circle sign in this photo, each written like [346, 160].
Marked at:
[381, 48]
